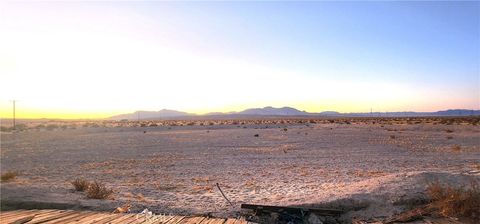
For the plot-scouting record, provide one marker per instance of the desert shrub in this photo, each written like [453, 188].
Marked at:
[455, 201]
[21, 127]
[51, 126]
[5, 129]
[449, 131]
[98, 190]
[9, 176]
[40, 126]
[456, 148]
[80, 184]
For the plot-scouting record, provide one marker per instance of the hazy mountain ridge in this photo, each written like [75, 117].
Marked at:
[164, 113]
[284, 111]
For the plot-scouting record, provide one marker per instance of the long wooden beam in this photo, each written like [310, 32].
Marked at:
[292, 209]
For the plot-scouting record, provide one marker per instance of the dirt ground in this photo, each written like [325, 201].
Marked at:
[376, 168]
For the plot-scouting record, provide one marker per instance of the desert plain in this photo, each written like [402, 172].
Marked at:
[369, 167]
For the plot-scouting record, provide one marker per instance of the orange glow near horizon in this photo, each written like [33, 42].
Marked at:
[23, 112]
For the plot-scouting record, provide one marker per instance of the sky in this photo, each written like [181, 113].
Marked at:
[88, 59]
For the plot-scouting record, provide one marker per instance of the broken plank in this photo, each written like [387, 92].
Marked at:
[291, 209]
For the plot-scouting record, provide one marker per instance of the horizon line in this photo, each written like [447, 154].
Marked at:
[229, 113]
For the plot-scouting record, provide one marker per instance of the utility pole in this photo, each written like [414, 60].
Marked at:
[13, 114]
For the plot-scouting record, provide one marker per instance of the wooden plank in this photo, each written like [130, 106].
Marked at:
[269, 208]
[14, 215]
[231, 221]
[176, 220]
[90, 219]
[162, 219]
[136, 219]
[51, 216]
[74, 219]
[46, 214]
[193, 220]
[9, 213]
[213, 221]
[23, 220]
[69, 218]
[122, 219]
[239, 221]
[63, 213]
[101, 217]
[109, 218]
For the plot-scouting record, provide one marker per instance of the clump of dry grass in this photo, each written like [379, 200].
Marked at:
[98, 190]
[80, 184]
[202, 188]
[9, 176]
[456, 148]
[455, 201]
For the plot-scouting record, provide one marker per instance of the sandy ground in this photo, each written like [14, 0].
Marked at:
[374, 168]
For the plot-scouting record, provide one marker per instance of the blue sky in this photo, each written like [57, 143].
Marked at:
[427, 41]
[344, 56]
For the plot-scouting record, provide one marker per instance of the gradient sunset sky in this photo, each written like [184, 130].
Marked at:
[97, 59]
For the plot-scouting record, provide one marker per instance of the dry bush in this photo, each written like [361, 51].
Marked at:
[455, 201]
[456, 148]
[9, 176]
[201, 179]
[202, 188]
[80, 184]
[98, 190]
[123, 209]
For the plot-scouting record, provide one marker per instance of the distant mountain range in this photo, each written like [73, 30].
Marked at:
[283, 111]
